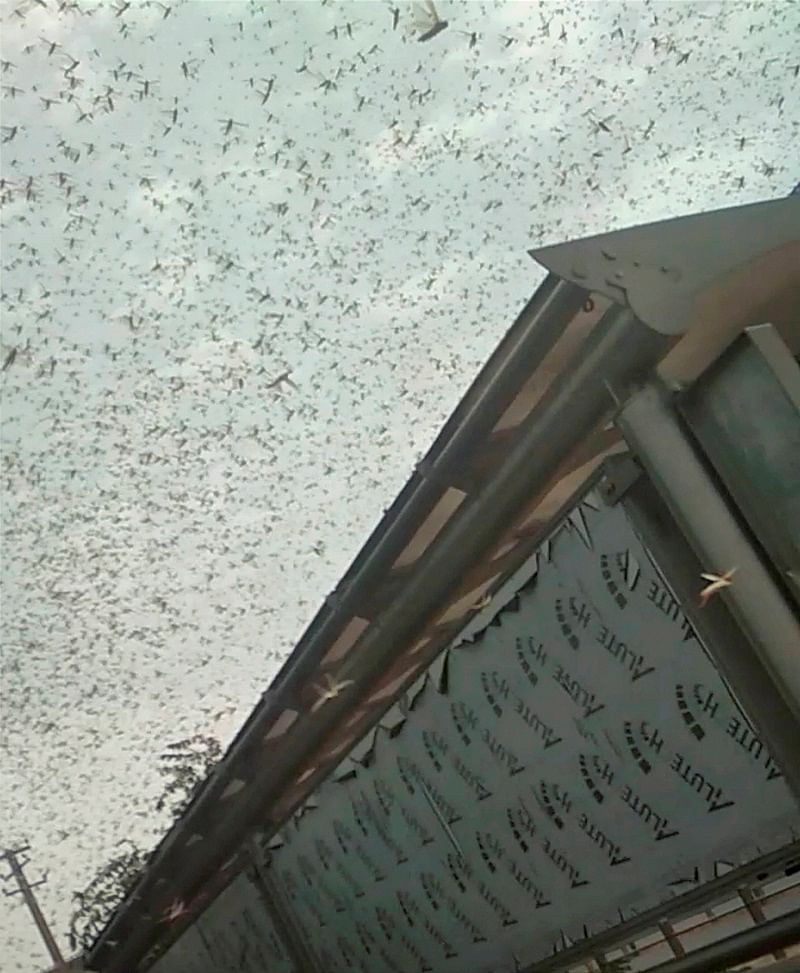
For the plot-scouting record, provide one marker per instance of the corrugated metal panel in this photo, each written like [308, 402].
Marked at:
[579, 761]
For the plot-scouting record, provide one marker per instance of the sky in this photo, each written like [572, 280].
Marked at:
[253, 254]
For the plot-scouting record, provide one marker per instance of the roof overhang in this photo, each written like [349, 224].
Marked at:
[706, 276]
[529, 432]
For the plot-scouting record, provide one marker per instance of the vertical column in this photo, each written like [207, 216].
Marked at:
[723, 548]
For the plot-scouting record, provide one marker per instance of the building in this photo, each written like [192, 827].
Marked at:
[552, 708]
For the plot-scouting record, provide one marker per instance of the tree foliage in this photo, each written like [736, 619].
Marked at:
[95, 904]
[185, 764]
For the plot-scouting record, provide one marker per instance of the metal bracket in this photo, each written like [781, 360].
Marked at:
[618, 476]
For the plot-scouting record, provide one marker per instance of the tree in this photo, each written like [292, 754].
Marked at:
[96, 903]
[185, 764]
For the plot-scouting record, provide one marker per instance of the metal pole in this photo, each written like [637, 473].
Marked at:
[33, 906]
[651, 427]
[739, 948]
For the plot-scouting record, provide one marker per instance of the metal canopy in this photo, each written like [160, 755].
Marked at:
[531, 430]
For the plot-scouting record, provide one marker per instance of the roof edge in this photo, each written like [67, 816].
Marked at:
[660, 269]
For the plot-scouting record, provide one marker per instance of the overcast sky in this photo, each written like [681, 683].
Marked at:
[201, 197]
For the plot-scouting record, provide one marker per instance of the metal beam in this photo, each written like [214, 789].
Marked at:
[752, 902]
[678, 908]
[789, 965]
[672, 939]
[653, 430]
[739, 948]
[530, 338]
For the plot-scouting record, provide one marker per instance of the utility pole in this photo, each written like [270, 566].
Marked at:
[26, 890]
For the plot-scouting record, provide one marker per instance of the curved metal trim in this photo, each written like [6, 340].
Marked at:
[663, 270]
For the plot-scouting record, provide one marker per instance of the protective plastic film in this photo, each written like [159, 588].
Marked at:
[577, 760]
